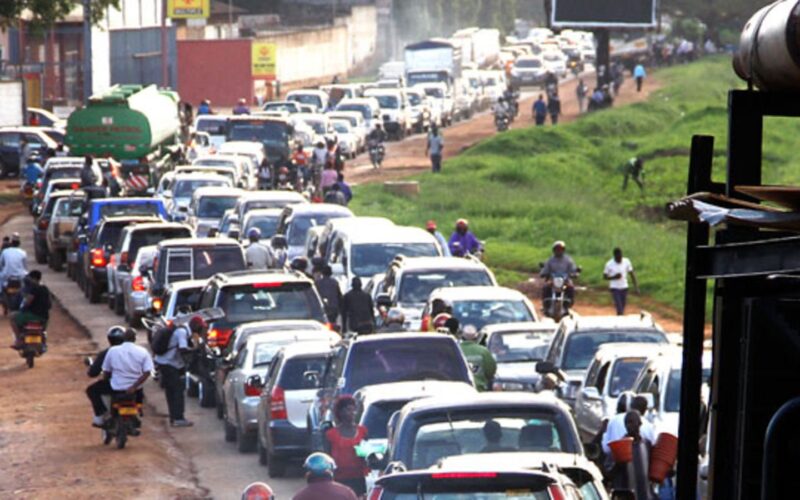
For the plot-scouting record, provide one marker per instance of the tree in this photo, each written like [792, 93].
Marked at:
[715, 14]
[46, 12]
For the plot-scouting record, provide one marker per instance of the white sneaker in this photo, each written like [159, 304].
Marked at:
[98, 421]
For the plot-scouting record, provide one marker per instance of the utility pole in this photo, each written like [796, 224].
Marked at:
[87, 50]
[164, 46]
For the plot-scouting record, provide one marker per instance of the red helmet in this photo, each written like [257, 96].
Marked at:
[198, 324]
[462, 223]
[440, 320]
[258, 491]
[283, 170]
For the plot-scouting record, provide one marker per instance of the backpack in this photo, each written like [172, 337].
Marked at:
[159, 342]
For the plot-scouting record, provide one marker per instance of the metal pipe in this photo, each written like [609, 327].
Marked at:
[779, 436]
[164, 46]
[87, 50]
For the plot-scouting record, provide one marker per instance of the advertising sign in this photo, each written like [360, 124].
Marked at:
[188, 9]
[264, 60]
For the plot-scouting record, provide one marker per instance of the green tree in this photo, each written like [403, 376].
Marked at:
[717, 15]
[45, 12]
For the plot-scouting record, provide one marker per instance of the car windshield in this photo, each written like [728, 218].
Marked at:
[130, 209]
[214, 207]
[377, 416]
[508, 347]
[624, 375]
[317, 126]
[293, 377]
[529, 63]
[387, 101]
[416, 287]
[264, 131]
[311, 99]
[341, 128]
[281, 106]
[382, 362]
[267, 224]
[298, 229]
[414, 99]
[489, 312]
[582, 346]
[154, 236]
[371, 259]
[211, 127]
[486, 430]
[209, 261]
[364, 110]
[184, 188]
[270, 301]
[65, 173]
[434, 92]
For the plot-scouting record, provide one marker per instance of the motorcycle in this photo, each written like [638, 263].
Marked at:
[34, 341]
[501, 122]
[124, 421]
[12, 294]
[376, 154]
[558, 304]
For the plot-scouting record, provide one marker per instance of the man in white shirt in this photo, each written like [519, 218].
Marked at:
[127, 366]
[616, 425]
[258, 256]
[13, 261]
[616, 272]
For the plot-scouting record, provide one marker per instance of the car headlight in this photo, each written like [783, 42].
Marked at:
[508, 386]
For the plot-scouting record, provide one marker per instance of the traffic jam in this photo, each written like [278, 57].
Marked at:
[385, 356]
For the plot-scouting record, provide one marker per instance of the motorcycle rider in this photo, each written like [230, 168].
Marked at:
[258, 256]
[279, 250]
[480, 359]
[501, 112]
[462, 241]
[13, 261]
[377, 135]
[431, 228]
[35, 307]
[560, 263]
[102, 387]
[319, 469]
[127, 366]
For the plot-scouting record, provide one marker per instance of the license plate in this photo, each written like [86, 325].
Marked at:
[128, 411]
[33, 339]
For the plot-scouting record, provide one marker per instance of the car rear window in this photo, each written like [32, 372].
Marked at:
[377, 417]
[64, 173]
[129, 209]
[267, 224]
[417, 286]
[482, 485]
[624, 374]
[382, 362]
[292, 374]
[582, 346]
[187, 299]
[480, 313]
[152, 236]
[109, 235]
[370, 259]
[215, 206]
[211, 260]
[298, 230]
[268, 301]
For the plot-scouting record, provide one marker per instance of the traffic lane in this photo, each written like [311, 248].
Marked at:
[220, 469]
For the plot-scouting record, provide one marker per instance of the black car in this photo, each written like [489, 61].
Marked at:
[248, 296]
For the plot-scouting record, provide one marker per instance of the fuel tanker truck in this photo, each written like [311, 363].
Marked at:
[138, 126]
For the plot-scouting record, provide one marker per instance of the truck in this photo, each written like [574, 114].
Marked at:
[438, 60]
[12, 106]
[138, 126]
[479, 46]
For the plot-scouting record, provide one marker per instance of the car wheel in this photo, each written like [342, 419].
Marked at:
[230, 432]
[192, 389]
[276, 466]
[244, 441]
[56, 261]
[262, 452]
[119, 305]
[206, 394]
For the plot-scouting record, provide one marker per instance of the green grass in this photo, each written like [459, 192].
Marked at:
[526, 188]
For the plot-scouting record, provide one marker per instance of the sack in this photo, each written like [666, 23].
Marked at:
[159, 342]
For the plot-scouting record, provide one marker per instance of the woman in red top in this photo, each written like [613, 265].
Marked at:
[342, 441]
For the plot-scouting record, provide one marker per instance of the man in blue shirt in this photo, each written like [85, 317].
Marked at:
[241, 108]
[462, 241]
[204, 108]
[33, 168]
[540, 110]
[431, 227]
[639, 74]
[344, 187]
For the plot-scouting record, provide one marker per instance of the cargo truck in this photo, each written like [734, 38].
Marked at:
[139, 126]
[438, 61]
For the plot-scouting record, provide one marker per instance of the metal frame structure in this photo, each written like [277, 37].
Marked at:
[756, 327]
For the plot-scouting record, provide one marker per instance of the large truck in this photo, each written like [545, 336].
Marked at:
[431, 61]
[139, 126]
[479, 46]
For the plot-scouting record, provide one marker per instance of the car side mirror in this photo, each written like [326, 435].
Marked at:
[651, 402]
[384, 300]
[255, 381]
[590, 392]
[544, 367]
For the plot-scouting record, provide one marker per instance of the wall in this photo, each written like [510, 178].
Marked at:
[218, 70]
[135, 56]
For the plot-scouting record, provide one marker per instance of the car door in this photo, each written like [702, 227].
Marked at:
[9, 149]
[231, 387]
[299, 390]
[584, 400]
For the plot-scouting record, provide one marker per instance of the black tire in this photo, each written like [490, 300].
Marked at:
[111, 300]
[119, 305]
[133, 320]
[276, 466]
[29, 357]
[56, 261]
[93, 292]
[220, 410]
[122, 435]
[106, 436]
[191, 387]
[206, 395]
[230, 431]
[244, 442]
[262, 452]
[41, 256]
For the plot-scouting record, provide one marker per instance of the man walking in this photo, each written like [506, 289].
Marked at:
[639, 74]
[358, 313]
[539, 111]
[616, 273]
[434, 149]
[580, 93]
[330, 293]
[554, 107]
[172, 367]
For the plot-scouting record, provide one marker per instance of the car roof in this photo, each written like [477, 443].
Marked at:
[126, 201]
[129, 219]
[61, 193]
[488, 468]
[526, 460]
[393, 337]
[410, 390]
[143, 226]
[217, 191]
[262, 212]
[306, 91]
[274, 325]
[198, 242]
[458, 293]
[544, 325]
[391, 234]
[245, 118]
[485, 400]
[191, 176]
[438, 263]
[272, 195]
[357, 100]
[177, 286]
[318, 208]
[254, 276]
[616, 350]
[319, 341]
[641, 321]
[241, 146]
[346, 223]
[344, 112]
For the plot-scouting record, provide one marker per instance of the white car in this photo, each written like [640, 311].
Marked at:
[183, 186]
[358, 126]
[368, 107]
[214, 126]
[319, 123]
[528, 70]
[441, 99]
[555, 62]
[394, 110]
[318, 99]
[348, 142]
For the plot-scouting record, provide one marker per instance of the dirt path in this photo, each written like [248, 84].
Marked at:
[407, 157]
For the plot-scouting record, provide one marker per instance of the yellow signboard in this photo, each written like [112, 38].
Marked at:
[188, 9]
[264, 60]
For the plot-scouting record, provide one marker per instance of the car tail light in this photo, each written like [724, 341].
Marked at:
[157, 304]
[556, 493]
[138, 286]
[277, 404]
[377, 491]
[268, 285]
[98, 257]
[219, 337]
[43, 223]
[123, 258]
[74, 185]
[251, 390]
[464, 475]
[425, 323]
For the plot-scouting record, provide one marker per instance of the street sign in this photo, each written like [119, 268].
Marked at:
[188, 9]
[264, 60]
[603, 14]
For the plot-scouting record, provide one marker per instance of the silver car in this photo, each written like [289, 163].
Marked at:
[243, 385]
[134, 289]
[208, 206]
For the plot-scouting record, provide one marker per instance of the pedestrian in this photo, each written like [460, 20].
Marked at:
[616, 273]
[334, 196]
[264, 174]
[634, 474]
[616, 424]
[172, 368]
[328, 178]
[634, 170]
[344, 187]
[358, 312]
[480, 359]
[25, 150]
[581, 91]
[639, 74]
[300, 160]
[341, 442]
[554, 107]
[540, 111]
[204, 108]
[393, 321]
[88, 174]
[431, 228]
[258, 256]
[320, 469]
[241, 108]
[434, 148]
[331, 294]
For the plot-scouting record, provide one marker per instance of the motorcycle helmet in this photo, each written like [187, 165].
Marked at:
[253, 233]
[431, 225]
[116, 335]
[469, 332]
[559, 243]
[283, 171]
[258, 491]
[440, 321]
[198, 324]
[319, 464]
[462, 223]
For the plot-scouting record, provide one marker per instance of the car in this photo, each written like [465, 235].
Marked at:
[266, 199]
[61, 227]
[660, 382]
[264, 219]
[393, 105]
[208, 206]
[348, 141]
[228, 225]
[441, 99]
[247, 296]
[377, 403]
[134, 290]
[428, 430]
[347, 224]
[131, 239]
[10, 144]
[100, 247]
[242, 332]
[41, 196]
[180, 297]
[45, 118]
[281, 434]
[409, 282]
[578, 338]
[226, 166]
[364, 251]
[555, 62]
[368, 107]
[516, 348]
[613, 370]
[528, 70]
[289, 106]
[406, 357]
[357, 125]
[481, 306]
[319, 123]
[296, 220]
[42, 223]
[182, 188]
[214, 126]
[316, 98]
[419, 109]
[243, 386]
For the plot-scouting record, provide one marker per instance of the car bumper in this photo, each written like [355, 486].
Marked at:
[99, 276]
[286, 439]
[248, 414]
[138, 302]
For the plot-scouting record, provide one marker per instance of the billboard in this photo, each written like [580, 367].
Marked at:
[603, 14]
[264, 60]
[188, 9]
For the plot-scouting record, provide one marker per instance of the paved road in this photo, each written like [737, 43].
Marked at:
[220, 468]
